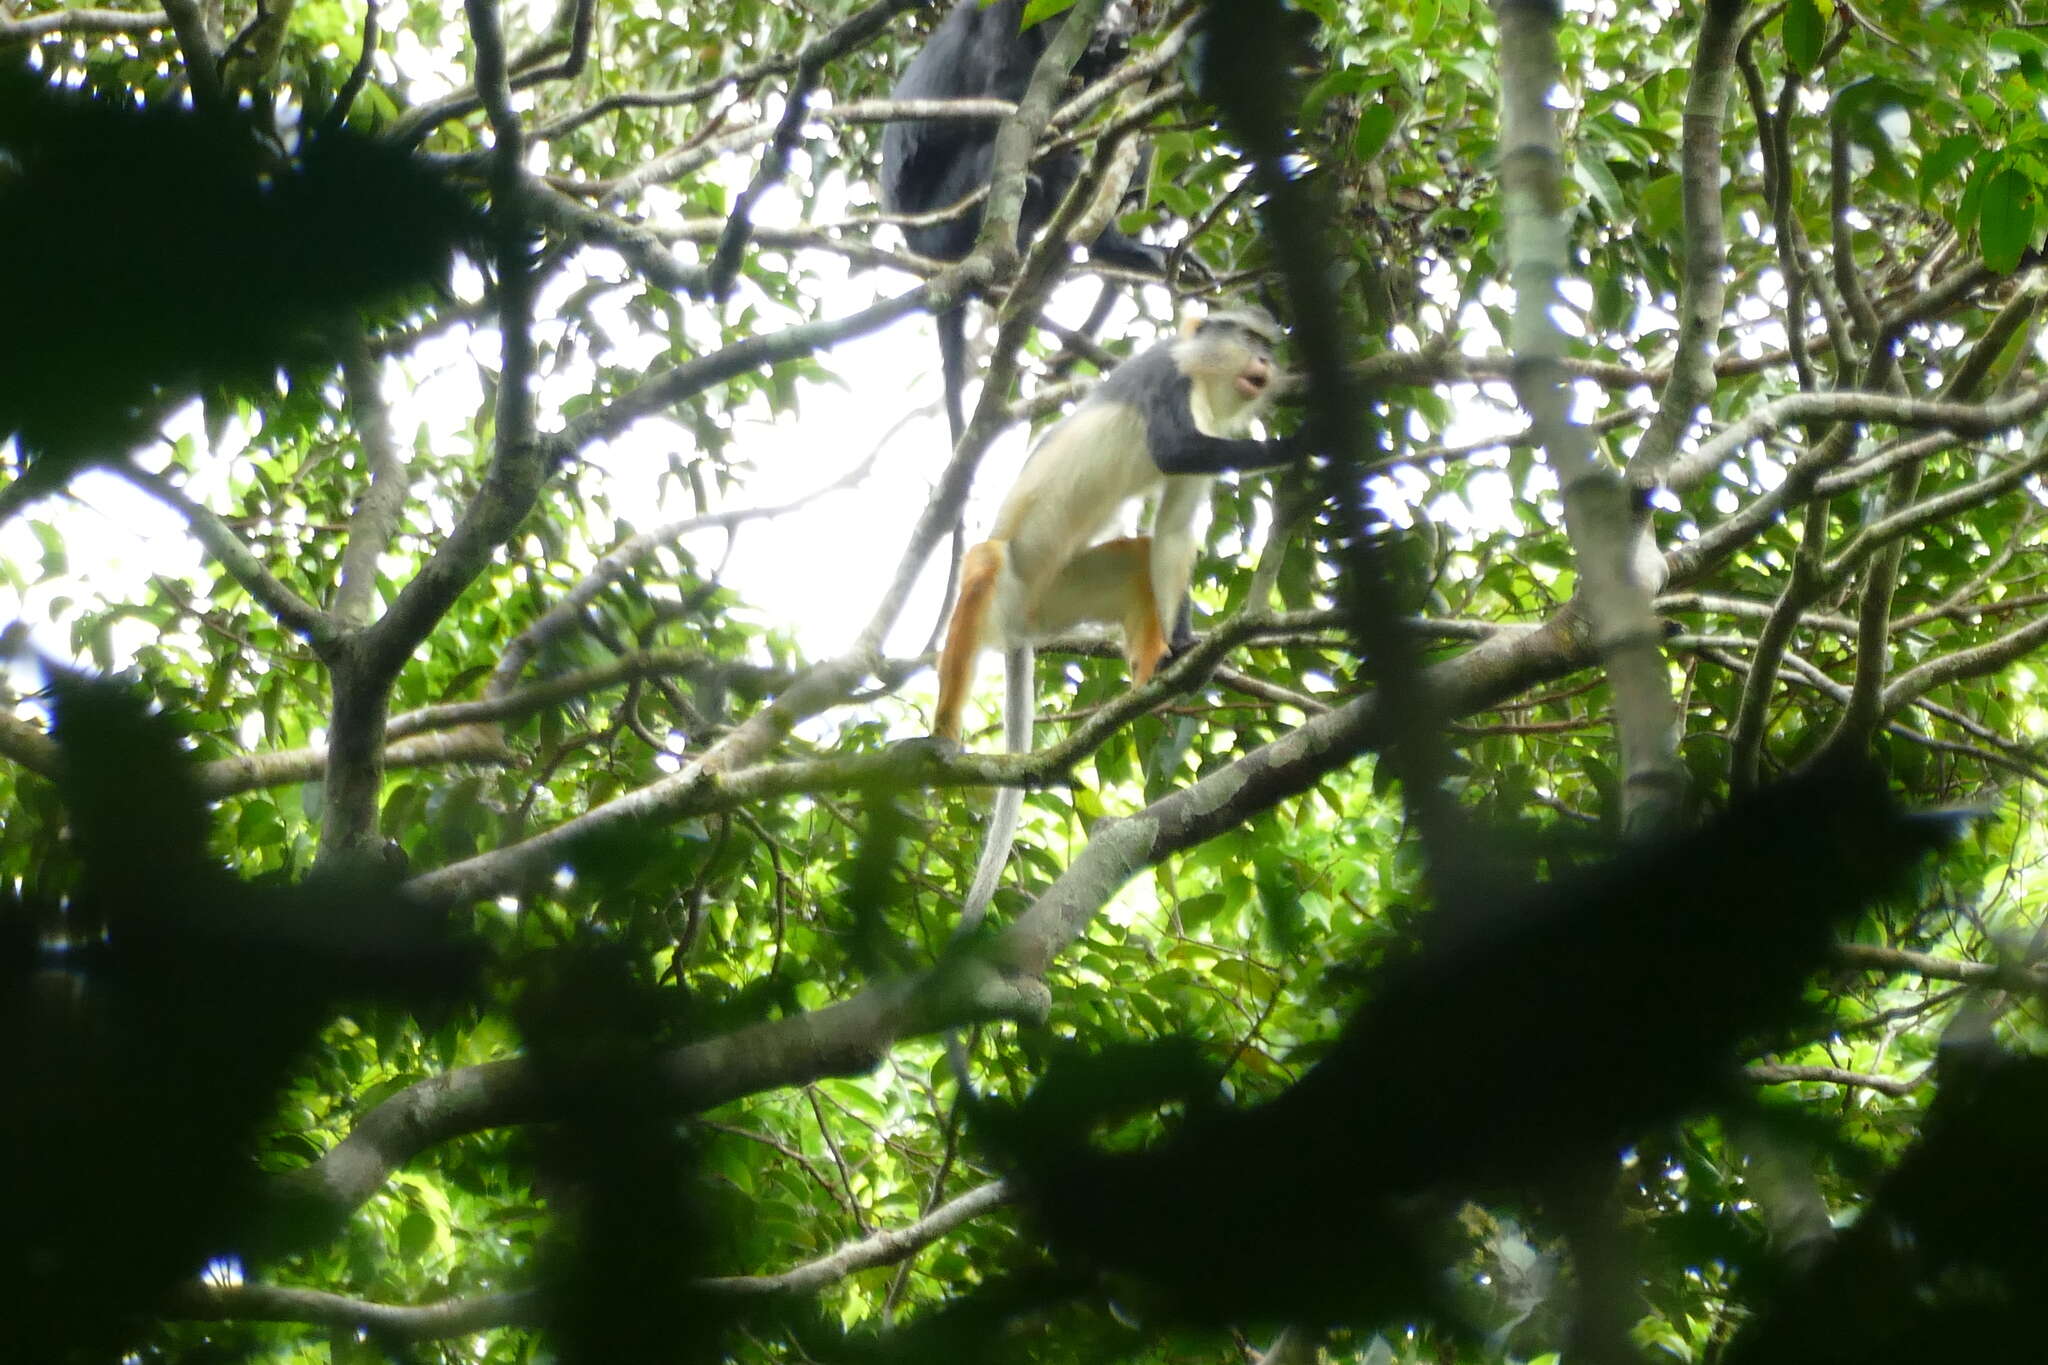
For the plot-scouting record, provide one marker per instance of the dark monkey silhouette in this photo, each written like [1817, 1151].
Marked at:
[980, 52]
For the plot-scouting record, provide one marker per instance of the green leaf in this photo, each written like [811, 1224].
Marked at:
[258, 825]
[1600, 186]
[1376, 124]
[2005, 223]
[1944, 161]
[416, 1232]
[1803, 33]
[55, 561]
[1661, 207]
[2017, 41]
[1038, 11]
[1199, 910]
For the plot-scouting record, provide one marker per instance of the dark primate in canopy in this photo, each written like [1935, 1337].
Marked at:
[980, 52]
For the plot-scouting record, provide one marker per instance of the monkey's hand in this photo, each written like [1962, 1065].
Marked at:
[1294, 447]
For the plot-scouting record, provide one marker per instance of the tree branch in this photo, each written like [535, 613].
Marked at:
[460, 1317]
[854, 1035]
[680, 382]
[1964, 663]
[1970, 419]
[1775, 1074]
[293, 612]
[374, 523]
[810, 64]
[570, 36]
[202, 69]
[567, 614]
[1703, 289]
[81, 21]
[1598, 516]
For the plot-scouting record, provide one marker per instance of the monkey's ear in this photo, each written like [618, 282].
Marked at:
[1190, 325]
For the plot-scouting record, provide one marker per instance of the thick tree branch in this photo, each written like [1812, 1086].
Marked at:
[1873, 645]
[27, 745]
[1803, 587]
[1011, 159]
[1842, 207]
[728, 777]
[853, 1036]
[1704, 288]
[374, 523]
[1894, 455]
[679, 383]
[520, 457]
[1778, 195]
[1481, 677]
[640, 247]
[365, 665]
[1888, 529]
[255, 772]
[1598, 516]
[1964, 663]
[2012, 976]
[417, 739]
[202, 54]
[884, 1247]
[2002, 754]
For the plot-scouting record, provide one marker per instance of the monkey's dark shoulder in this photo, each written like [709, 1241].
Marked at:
[1150, 382]
[1140, 376]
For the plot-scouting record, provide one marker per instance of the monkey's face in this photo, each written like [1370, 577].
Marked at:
[1234, 368]
[1255, 376]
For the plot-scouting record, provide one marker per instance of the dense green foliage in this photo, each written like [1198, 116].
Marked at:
[482, 653]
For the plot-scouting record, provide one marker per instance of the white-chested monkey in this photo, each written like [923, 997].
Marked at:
[1161, 425]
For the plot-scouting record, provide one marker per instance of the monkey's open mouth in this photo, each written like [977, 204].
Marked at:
[1252, 383]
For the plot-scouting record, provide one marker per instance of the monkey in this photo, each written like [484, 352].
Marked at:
[1155, 425]
[1162, 424]
[981, 51]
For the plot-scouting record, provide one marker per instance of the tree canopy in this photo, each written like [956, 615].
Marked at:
[1574, 898]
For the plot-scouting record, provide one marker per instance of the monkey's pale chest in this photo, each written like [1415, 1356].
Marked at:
[1085, 469]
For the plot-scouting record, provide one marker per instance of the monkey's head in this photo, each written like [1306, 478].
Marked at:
[1229, 359]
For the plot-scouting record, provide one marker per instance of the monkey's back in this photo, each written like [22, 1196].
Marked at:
[927, 164]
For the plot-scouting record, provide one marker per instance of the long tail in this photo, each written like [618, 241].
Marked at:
[1020, 702]
[953, 366]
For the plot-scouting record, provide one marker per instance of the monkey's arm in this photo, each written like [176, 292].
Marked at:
[1178, 446]
[1200, 453]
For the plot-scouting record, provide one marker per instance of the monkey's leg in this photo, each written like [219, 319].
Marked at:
[1110, 583]
[980, 573]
